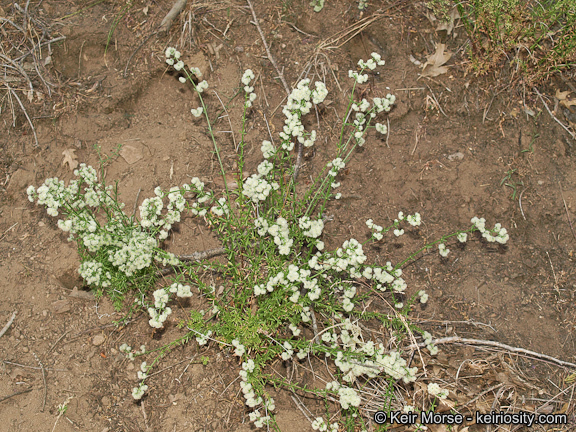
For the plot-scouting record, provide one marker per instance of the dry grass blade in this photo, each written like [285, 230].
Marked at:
[23, 62]
[345, 35]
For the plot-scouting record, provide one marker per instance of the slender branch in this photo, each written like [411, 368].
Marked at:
[553, 116]
[207, 254]
[7, 326]
[24, 110]
[459, 340]
[268, 53]
[167, 21]
[43, 379]
[15, 394]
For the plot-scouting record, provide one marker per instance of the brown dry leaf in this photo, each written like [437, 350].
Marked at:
[70, 158]
[448, 25]
[434, 66]
[564, 98]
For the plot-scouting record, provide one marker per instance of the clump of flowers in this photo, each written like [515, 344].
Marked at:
[283, 297]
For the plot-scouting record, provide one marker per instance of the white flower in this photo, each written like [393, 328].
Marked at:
[169, 52]
[247, 77]
[378, 59]
[182, 80]
[348, 397]
[462, 237]
[398, 232]
[268, 149]
[383, 129]
[423, 296]
[265, 167]
[443, 250]
[358, 77]
[414, 220]
[239, 348]
[201, 86]
[179, 65]
[138, 392]
[195, 71]
[197, 112]
[435, 390]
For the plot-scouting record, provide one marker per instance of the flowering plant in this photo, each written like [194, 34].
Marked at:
[285, 297]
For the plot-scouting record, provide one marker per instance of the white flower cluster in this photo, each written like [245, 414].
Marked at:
[221, 208]
[138, 392]
[462, 237]
[358, 77]
[201, 86]
[443, 250]
[202, 339]
[197, 112]
[350, 255]
[497, 234]
[159, 313]
[94, 274]
[423, 296]
[371, 64]
[257, 188]
[428, 341]
[239, 349]
[299, 104]
[126, 246]
[376, 359]
[376, 229]
[386, 275]
[335, 166]
[268, 149]
[252, 400]
[126, 349]
[384, 104]
[435, 390]
[173, 58]
[415, 219]
[250, 95]
[313, 229]
[320, 424]
[383, 129]
[278, 230]
[348, 397]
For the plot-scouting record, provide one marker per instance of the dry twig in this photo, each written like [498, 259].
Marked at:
[170, 16]
[566, 209]
[8, 324]
[572, 134]
[15, 394]
[43, 379]
[465, 341]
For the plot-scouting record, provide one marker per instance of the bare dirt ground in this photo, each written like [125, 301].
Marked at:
[453, 140]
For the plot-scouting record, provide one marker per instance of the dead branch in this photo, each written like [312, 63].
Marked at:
[15, 394]
[207, 254]
[572, 134]
[13, 93]
[43, 379]
[170, 16]
[7, 326]
[465, 341]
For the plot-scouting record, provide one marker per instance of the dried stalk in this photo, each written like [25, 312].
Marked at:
[465, 341]
[170, 16]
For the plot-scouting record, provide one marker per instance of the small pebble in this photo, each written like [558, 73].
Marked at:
[25, 349]
[98, 340]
